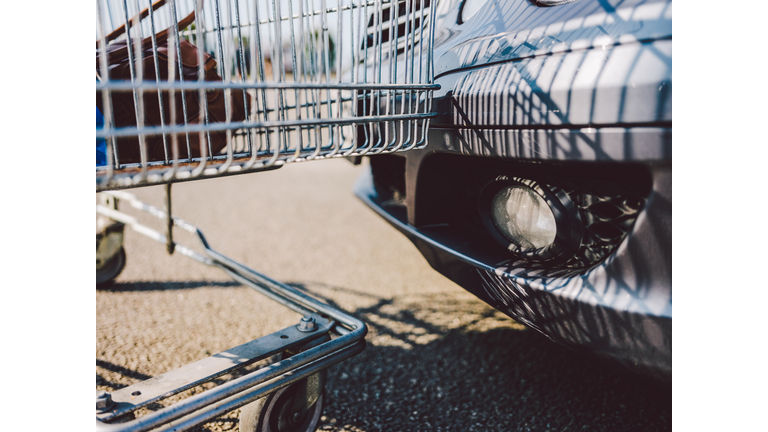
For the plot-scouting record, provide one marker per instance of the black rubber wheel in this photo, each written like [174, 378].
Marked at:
[274, 413]
[286, 410]
[105, 276]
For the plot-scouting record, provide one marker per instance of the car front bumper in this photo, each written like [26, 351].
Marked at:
[620, 310]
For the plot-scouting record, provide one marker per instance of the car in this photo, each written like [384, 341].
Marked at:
[545, 185]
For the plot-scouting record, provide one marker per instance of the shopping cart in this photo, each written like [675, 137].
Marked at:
[196, 90]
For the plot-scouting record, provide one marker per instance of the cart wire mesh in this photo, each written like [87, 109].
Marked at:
[190, 89]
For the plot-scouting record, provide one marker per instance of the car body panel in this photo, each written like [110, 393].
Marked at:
[516, 29]
[619, 310]
[585, 88]
[622, 85]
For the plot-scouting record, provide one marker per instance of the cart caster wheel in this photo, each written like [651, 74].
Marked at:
[286, 410]
[105, 276]
[110, 255]
[296, 408]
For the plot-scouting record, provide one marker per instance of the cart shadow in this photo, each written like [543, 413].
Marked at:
[448, 361]
[129, 373]
[167, 286]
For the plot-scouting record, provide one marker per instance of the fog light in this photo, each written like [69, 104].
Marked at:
[523, 217]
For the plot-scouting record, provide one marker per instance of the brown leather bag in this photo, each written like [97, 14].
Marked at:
[123, 102]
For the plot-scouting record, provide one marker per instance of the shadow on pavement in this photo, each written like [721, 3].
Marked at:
[449, 362]
[452, 363]
[167, 286]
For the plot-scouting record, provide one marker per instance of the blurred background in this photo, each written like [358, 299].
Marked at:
[231, 12]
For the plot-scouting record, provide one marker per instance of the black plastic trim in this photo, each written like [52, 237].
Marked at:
[639, 342]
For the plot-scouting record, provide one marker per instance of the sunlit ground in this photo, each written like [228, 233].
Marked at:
[437, 358]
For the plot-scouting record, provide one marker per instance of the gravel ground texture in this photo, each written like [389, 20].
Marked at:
[438, 359]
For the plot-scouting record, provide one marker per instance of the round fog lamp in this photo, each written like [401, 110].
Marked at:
[523, 217]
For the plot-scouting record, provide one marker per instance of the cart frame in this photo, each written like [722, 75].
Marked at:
[381, 103]
[260, 383]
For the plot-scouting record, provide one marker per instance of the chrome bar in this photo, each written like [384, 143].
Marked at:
[214, 85]
[269, 378]
[248, 394]
[243, 398]
[122, 132]
[131, 398]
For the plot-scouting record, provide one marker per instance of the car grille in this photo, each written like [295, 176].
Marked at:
[411, 16]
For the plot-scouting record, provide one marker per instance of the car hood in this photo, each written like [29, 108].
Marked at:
[505, 30]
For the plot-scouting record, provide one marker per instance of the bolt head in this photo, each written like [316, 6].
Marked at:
[307, 324]
[103, 401]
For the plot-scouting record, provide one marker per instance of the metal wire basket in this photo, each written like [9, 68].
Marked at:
[187, 90]
[300, 80]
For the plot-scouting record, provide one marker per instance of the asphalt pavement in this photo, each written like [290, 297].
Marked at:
[437, 358]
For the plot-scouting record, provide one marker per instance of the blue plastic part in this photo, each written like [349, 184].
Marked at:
[101, 143]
